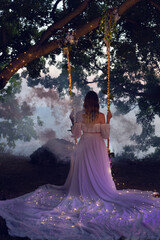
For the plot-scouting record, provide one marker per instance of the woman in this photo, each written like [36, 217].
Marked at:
[88, 206]
[90, 168]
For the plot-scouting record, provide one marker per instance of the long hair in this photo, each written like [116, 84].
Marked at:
[91, 107]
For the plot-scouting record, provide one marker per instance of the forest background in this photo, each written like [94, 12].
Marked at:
[35, 103]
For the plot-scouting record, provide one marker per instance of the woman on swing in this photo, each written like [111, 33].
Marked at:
[90, 170]
[88, 206]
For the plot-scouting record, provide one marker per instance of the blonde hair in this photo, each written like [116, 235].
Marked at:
[91, 107]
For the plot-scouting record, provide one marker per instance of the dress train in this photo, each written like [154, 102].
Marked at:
[88, 206]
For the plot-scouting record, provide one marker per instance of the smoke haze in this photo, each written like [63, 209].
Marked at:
[54, 112]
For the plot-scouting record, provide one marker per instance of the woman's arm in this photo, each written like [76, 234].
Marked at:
[76, 130]
[109, 116]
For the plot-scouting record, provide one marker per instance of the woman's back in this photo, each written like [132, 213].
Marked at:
[90, 166]
[98, 126]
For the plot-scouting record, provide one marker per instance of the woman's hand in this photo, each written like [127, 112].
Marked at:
[109, 116]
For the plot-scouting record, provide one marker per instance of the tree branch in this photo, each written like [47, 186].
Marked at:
[42, 48]
[126, 6]
[48, 33]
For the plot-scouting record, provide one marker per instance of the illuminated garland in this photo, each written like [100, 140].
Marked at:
[108, 25]
[66, 51]
[69, 40]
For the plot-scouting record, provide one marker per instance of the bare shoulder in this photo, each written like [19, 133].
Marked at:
[101, 117]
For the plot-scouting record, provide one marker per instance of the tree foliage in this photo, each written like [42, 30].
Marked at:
[135, 52]
[16, 122]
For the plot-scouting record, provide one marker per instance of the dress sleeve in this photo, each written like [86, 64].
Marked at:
[105, 130]
[76, 130]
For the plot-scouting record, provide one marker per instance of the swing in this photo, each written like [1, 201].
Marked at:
[108, 23]
[66, 52]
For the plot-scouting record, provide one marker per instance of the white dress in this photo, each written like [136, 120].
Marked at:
[88, 206]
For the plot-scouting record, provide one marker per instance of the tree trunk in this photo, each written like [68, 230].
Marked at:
[42, 47]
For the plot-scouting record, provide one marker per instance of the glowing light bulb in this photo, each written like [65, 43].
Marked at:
[155, 193]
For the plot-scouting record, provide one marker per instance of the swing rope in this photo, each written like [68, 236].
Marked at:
[66, 51]
[108, 85]
[69, 39]
[108, 73]
[108, 37]
[108, 24]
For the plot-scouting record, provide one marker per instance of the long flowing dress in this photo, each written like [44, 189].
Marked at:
[88, 206]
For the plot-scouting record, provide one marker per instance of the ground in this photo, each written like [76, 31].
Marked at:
[19, 176]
